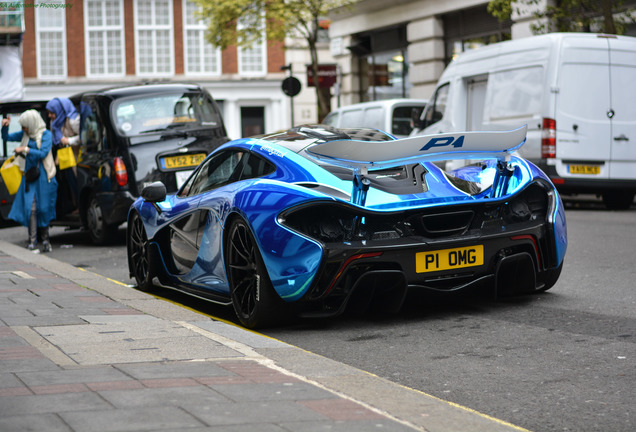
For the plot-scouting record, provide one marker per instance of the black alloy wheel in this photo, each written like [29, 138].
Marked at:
[139, 254]
[253, 297]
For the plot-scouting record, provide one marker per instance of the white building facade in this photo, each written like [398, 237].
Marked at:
[399, 48]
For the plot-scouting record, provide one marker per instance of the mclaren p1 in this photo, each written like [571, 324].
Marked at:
[304, 220]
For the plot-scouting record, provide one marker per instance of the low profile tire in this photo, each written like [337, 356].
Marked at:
[141, 265]
[253, 297]
[101, 233]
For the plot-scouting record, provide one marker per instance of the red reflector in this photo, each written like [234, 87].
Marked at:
[121, 175]
[558, 180]
[548, 139]
[346, 263]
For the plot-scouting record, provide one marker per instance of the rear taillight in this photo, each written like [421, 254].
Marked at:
[548, 139]
[121, 175]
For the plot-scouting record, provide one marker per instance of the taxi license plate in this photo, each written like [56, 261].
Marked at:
[182, 161]
[585, 169]
[449, 259]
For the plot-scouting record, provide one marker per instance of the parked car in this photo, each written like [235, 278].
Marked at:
[311, 218]
[576, 93]
[392, 115]
[132, 136]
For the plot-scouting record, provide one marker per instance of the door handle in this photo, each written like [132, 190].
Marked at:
[621, 137]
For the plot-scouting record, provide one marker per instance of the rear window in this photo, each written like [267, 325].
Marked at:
[157, 113]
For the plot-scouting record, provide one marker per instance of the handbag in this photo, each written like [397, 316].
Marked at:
[32, 174]
[66, 157]
[11, 175]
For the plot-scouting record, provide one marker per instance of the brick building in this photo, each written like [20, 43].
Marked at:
[79, 45]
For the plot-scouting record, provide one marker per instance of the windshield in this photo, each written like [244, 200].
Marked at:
[158, 113]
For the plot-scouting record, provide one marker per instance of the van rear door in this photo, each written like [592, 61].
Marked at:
[475, 100]
[582, 106]
[622, 109]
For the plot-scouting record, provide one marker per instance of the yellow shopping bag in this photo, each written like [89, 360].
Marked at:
[11, 175]
[66, 157]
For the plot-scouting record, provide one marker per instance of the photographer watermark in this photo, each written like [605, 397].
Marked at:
[18, 5]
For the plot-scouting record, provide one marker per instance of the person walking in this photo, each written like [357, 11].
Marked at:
[34, 203]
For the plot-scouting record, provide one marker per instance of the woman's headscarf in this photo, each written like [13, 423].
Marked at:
[63, 108]
[32, 120]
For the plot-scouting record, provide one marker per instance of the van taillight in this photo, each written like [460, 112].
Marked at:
[548, 139]
[121, 175]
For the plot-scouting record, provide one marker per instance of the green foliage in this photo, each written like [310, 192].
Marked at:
[283, 18]
[605, 16]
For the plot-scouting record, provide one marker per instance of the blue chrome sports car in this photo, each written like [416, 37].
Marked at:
[303, 220]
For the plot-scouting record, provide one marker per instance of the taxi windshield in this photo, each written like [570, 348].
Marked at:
[160, 113]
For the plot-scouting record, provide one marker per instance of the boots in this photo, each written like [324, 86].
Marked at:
[32, 244]
[43, 233]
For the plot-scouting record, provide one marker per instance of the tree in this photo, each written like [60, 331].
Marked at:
[604, 16]
[295, 18]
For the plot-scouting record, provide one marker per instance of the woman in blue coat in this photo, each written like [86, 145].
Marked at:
[34, 203]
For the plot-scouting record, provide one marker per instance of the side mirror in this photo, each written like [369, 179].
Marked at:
[154, 192]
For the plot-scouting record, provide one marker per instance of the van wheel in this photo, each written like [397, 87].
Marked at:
[101, 232]
[618, 200]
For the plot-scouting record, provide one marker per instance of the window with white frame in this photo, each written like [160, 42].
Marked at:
[50, 24]
[104, 37]
[252, 60]
[200, 57]
[154, 38]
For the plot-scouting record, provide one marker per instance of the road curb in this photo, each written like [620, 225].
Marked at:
[407, 406]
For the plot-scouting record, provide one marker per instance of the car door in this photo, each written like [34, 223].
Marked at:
[200, 224]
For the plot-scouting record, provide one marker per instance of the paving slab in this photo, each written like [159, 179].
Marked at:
[80, 352]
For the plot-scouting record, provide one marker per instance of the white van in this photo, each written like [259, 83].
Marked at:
[392, 115]
[575, 91]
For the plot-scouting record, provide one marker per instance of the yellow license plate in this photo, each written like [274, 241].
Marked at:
[449, 259]
[585, 169]
[182, 161]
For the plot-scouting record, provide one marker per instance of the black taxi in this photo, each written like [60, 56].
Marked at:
[132, 136]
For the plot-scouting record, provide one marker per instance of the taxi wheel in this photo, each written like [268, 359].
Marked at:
[100, 232]
[253, 297]
[139, 254]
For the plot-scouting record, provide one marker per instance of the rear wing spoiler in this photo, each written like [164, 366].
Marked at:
[361, 156]
[364, 155]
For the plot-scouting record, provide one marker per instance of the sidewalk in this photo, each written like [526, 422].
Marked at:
[79, 352]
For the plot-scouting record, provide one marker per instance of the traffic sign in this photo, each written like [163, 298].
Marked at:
[291, 86]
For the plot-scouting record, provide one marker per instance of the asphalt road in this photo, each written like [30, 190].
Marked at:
[562, 360]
